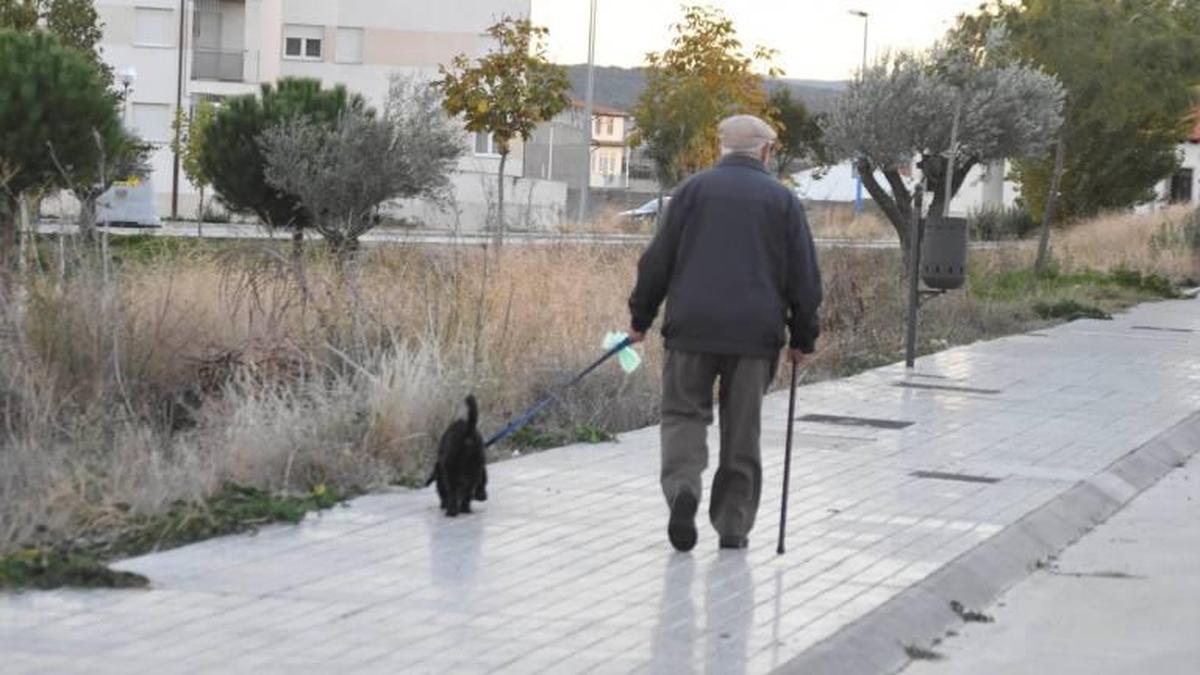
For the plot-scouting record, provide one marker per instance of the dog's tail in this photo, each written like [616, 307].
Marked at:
[432, 477]
[472, 411]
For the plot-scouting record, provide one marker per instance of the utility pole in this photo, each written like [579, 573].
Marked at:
[858, 183]
[589, 102]
[178, 106]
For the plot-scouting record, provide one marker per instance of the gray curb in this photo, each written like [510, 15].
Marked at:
[875, 642]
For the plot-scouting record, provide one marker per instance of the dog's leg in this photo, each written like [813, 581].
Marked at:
[443, 493]
[481, 488]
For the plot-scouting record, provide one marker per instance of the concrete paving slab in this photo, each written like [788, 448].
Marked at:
[1125, 598]
[567, 568]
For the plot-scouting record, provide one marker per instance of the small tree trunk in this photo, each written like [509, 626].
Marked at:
[8, 236]
[87, 215]
[500, 201]
[1043, 256]
[297, 245]
[658, 212]
[200, 215]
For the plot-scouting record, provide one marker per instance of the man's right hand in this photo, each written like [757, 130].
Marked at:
[797, 357]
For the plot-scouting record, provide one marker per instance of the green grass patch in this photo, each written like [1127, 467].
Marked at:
[1069, 310]
[234, 509]
[42, 569]
[1021, 284]
[535, 438]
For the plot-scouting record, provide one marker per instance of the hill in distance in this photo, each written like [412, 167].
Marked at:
[620, 87]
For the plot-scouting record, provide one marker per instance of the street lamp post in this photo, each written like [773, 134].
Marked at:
[858, 184]
[128, 77]
[588, 104]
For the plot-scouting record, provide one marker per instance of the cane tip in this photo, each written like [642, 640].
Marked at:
[779, 550]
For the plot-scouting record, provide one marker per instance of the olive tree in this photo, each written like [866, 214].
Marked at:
[341, 173]
[233, 160]
[909, 105]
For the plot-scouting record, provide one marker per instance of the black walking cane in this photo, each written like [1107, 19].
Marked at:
[787, 459]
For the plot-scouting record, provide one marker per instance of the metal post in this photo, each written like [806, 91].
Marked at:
[178, 106]
[914, 267]
[858, 183]
[588, 103]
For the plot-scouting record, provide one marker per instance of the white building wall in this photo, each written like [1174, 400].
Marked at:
[404, 37]
[1189, 156]
[986, 188]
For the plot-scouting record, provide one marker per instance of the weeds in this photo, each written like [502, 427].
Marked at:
[919, 653]
[1069, 310]
[969, 615]
[233, 509]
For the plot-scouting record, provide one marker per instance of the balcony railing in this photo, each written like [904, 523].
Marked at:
[224, 65]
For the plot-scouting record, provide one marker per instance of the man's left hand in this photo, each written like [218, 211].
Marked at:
[636, 336]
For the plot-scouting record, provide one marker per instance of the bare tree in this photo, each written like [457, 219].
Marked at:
[344, 172]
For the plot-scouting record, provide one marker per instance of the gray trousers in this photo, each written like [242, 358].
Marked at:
[687, 411]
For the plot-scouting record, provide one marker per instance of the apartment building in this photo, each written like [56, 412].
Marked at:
[184, 51]
[616, 174]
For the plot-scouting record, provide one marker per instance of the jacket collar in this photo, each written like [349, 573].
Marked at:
[743, 161]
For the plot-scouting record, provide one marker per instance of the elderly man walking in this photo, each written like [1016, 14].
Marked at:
[735, 261]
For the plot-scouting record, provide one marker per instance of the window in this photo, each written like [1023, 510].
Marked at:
[349, 45]
[153, 27]
[485, 144]
[1181, 187]
[152, 122]
[608, 126]
[303, 42]
[596, 126]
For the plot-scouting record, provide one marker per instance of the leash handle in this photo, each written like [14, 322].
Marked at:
[787, 461]
[524, 418]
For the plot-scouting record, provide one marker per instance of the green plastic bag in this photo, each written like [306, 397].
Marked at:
[628, 357]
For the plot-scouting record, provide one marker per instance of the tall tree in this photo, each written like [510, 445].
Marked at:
[344, 172]
[704, 76]
[906, 107]
[507, 92]
[234, 160]
[801, 138]
[60, 120]
[75, 22]
[1129, 68]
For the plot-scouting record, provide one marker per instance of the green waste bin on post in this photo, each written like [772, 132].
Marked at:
[944, 253]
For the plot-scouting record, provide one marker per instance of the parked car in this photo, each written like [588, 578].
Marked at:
[647, 211]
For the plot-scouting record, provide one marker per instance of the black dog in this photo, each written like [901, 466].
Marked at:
[461, 470]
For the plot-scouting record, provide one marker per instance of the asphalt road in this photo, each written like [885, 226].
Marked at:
[385, 235]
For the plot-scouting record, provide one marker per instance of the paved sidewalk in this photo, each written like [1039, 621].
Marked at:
[1124, 599]
[567, 568]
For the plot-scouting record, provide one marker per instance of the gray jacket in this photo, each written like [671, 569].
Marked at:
[735, 261]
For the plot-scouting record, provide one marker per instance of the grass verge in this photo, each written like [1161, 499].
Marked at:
[234, 509]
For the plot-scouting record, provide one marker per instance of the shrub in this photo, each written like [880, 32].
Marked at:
[233, 159]
[1001, 224]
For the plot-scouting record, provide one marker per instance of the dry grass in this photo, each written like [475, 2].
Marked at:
[838, 221]
[1155, 242]
[222, 364]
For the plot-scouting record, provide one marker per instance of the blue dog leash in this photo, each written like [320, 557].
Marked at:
[524, 418]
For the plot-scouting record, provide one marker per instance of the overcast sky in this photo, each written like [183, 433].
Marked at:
[816, 39]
